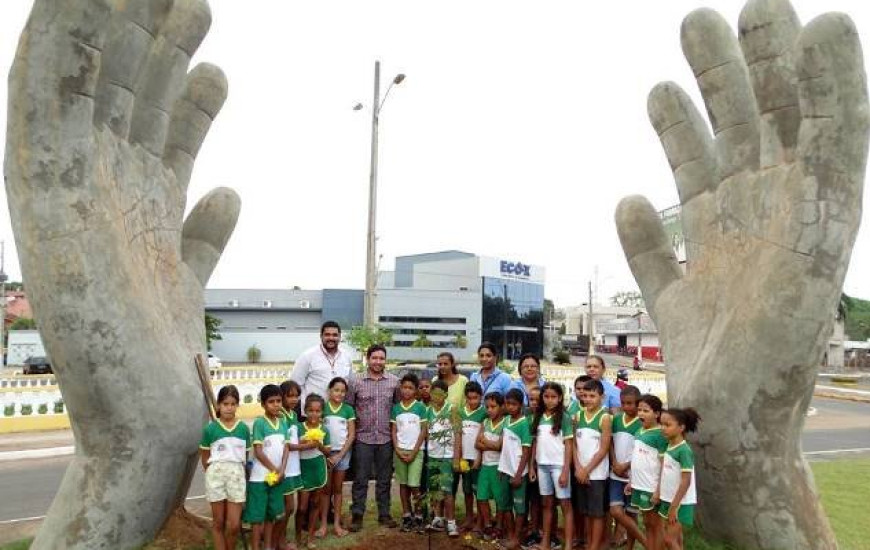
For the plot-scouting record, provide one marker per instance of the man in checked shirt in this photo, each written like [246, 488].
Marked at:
[372, 394]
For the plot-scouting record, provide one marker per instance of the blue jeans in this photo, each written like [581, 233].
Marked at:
[548, 481]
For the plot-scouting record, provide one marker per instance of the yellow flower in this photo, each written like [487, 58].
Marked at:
[463, 466]
[315, 434]
[272, 479]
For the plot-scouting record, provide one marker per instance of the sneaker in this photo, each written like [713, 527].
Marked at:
[407, 524]
[436, 525]
[452, 530]
[419, 525]
[531, 540]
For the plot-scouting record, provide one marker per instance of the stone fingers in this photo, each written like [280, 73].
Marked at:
[689, 148]
[768, 32]
[133, 27]
[832, 142]
[646, 247]
[165, 71]
[712, 51]
[204, 95]
[207, 230]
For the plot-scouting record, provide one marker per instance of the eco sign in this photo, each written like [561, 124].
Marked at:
[516, 269]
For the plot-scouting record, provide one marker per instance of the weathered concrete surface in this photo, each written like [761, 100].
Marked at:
[104, 124]
[771, 206]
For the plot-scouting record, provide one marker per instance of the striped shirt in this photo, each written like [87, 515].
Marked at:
[373, 398]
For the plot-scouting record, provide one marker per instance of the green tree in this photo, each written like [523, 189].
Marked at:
[212, 329]
[857, 313]
[23, 323]
[362, 338]
[254, 354]
[421, 342]
[14, 286]
[460, 341]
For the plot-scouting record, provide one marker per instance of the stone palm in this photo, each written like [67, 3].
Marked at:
[104, 125]
[770, 207]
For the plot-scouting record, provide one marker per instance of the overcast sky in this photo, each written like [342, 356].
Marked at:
[518, 129]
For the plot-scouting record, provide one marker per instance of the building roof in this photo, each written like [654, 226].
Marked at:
[17, 305]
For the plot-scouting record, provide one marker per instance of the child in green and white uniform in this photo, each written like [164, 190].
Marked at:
[472, 415]
[313, 464]
[408, 420]
[340, 421]
[290, 392]
[513, 464]
[443, 449]
[592, 434]
[626, 424]
[576, 402]
[265, 501]
[223, 449]
[646, 466]
[489, 486]
[678, 496]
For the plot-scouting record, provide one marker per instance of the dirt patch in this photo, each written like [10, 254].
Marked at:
[390, 538]
[182, 530]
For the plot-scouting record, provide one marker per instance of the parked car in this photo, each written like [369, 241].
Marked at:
[37, 364]
[214, 362]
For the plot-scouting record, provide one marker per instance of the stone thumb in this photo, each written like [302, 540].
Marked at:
[207, 229]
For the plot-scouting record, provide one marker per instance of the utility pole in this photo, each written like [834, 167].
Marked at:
[504, 347]
[591, 342]
[371, 276]
[371, 243]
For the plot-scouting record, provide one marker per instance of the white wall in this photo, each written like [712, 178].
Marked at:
[23, 344]
[274, 346]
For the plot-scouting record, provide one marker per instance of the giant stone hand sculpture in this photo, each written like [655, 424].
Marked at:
[103, 128]
[771, 205]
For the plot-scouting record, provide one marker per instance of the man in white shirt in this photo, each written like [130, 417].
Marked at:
[317, 366]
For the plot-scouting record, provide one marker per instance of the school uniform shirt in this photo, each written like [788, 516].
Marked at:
[679, 458]
[649, 447]
[587, 438]
[471, 422]
[409, 420]
[492, 432]
[308, 454]
[226, 444]
[623, 440]
[336, 420]
[293, 468]
[272, 435]
[441, 431]
[515, 436]
[550, 447]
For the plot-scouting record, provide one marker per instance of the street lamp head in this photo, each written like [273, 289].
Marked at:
[358, 107]
[399, 78]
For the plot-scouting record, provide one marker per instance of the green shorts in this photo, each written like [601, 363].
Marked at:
[409, 474]
[313, 473]
[515, 497]
[685, 513]
[264, 503]
[642, 500]
[493, 485]
[440, 474]
[291, 485]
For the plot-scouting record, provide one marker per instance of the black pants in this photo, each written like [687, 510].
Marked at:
[368, 457]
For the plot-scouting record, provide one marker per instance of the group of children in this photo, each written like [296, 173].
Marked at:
[526, 453]
[290, 457]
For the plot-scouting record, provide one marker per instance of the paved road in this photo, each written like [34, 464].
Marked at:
[27, 487]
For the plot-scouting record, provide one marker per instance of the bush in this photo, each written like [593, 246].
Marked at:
[9, 410]
[26, 410]
[254, 354]
[562, 357]
[58, 406]
[43, 409]
[248, 398]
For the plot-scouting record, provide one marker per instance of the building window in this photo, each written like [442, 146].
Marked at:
[434, 320]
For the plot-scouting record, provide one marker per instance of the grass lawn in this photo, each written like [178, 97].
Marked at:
[843, 496]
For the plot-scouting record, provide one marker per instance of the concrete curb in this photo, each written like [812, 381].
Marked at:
[49, 452]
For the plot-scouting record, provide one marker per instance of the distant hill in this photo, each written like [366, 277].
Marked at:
[857, 318]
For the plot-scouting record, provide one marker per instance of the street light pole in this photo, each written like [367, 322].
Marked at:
[590, 343]
[371, 276]
[371, 244]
